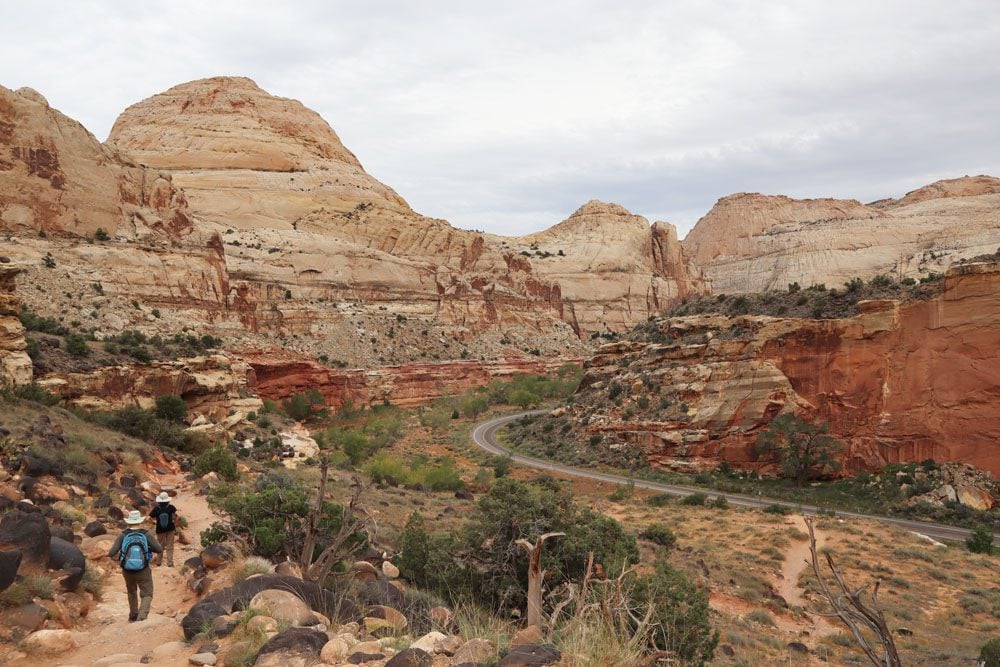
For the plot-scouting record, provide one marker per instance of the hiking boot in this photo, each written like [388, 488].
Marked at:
[132, 618]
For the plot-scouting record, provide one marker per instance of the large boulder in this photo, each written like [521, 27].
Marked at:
[238, 596]
[295, 646]
[283, 606]
[67, 556]
[49, 641]
[9, 562]
[474, 651]
[94, 529]
[27, 531]
[215, 556]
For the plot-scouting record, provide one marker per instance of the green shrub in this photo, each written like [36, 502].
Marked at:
[501, 465]
[440, 477]
[989, 654]
[219, 460]
[719, 502]
[980, 542]
[659, 534]
[36, 393]
[776, 509]
[171, 408]
[695, 499]
[305, 406]
[681, 619]
[762, 617]
[660, 500]
[101, 235]
[76, 345]
[384, 469]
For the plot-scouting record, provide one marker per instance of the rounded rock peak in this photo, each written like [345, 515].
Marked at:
[33, 95]
[598, 207]
[227, 122]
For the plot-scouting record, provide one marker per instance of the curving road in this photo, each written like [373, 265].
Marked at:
[484, 436]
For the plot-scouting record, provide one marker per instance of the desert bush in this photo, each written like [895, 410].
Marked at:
[76, 345]
[383, 469]
[695, 499]
[305, 406]
[659, 534]
[762, 617]
[989, 654]
[171, 408]
[660, 500]
[35, 393]
[980, 542]
[681, 615]
[219, 460]
[247, 566]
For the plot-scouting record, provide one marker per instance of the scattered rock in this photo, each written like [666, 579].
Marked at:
[215, 556]
[798, 647]
[95, 528]
[431, 642]
[49, 641]
[463, 494]
[66, 556]
[27, 617]
[335, 651]
[529, 635]
[360, 658]
[301, 643]
[115, 659]
[283, 606]
[202, 659]
[395, 619]
[383, 592]
[390, 570]
[905, 632]
[364, 571]
[473, 651]
[288, 568]
[223, 626]
[262, 624]
[442, 617]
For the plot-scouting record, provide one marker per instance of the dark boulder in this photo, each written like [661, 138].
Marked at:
[411, 657]
[27, 531]
[103, 502]
[215, 556]
[382, 592]
[463, 494]
[95, 528]
[9, 562]
[201, 616]
[67, 556]
[304, 642]
[531, 655]
[61, 531]
[360, 658]
[116, 513]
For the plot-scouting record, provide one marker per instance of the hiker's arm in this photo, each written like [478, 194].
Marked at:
[116, 546]
[154, 546]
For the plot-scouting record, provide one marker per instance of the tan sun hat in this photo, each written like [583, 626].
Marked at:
[164, 497]
[134, 518]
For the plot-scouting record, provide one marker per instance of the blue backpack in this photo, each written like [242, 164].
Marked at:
[134, 554]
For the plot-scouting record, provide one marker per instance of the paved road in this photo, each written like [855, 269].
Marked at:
[484, 436]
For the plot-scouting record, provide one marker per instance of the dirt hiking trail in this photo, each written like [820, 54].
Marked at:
[106, 637]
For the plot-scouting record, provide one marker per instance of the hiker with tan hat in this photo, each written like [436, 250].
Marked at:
[164, 515]
[134, 548]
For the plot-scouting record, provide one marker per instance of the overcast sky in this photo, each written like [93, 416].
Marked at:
[507, 116]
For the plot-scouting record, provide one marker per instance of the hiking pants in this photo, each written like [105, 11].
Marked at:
[139, 585]
[167, 540]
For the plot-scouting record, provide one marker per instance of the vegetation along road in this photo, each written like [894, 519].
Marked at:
[484, 435]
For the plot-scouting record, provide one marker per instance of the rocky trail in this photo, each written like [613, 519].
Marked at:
[797, 561]
[107, 638]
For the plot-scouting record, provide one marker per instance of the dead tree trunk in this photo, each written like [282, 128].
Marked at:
[855, 613]
[535, 576]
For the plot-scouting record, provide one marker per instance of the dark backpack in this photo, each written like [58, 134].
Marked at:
[134, 554]
[163, 519]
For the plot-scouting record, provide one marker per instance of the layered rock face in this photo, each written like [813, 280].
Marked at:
[55, 177]
[307, 217]
[15, 365]
[753, 242]
[279, 376]
[899, 382]
[601, 240]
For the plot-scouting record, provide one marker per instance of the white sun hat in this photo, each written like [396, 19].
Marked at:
[164, 497]
[134, 517]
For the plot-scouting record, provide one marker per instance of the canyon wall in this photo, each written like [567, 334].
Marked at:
[899, 382]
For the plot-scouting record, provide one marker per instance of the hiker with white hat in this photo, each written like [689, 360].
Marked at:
[134, 548]
[164, 515]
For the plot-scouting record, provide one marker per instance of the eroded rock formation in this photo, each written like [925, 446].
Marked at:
[899, 382]
[753, 242]
[15, 365]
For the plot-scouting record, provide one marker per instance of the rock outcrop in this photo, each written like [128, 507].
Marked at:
[56, 178]
[899, 382]
[753, 242]
[15, 365]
